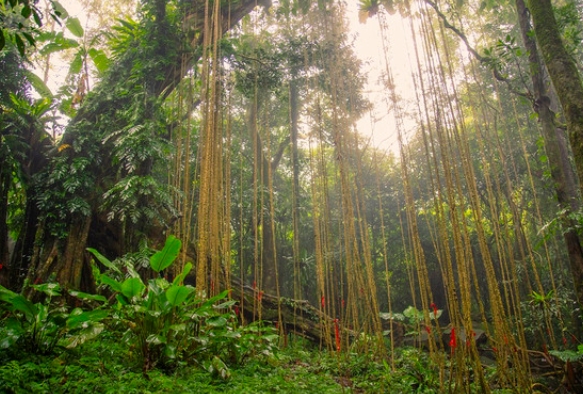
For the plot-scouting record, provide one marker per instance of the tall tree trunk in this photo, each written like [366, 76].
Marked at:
[294, 115]
[5, 180]
[567, 83]
[563, 72]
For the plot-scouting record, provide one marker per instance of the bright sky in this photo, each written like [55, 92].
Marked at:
[379, 125]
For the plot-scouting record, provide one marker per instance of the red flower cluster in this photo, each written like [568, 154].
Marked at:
[337, 334]
[452, 340]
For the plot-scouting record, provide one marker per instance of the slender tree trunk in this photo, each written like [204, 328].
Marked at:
[294, 115]
[567, 83]
[4, 250]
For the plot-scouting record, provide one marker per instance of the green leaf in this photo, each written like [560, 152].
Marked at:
[20, 303]
[412, 313]
[51, 289]
[104, 260]
[112, 283]
[26, 11]
[38, 84]
[6, 295]
[132, 287]
[87, 296]
[185, 271]
[59, 9]
[165, 257]
[19, 44]
[9, 338]
[177, 294]
[100, 60]
[74, 27]
[567, 355]
[60, 44]
[154, 339]
[76, 63]
[226, 304]
[78, 320]
[92, 330]
[217, 322]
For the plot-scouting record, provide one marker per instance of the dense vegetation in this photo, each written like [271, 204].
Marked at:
[193, 207]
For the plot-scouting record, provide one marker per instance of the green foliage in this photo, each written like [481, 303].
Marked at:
[558, 308]
[169, 324]
[412, 318]
[569, 355]
[20, 20]
[42, 327]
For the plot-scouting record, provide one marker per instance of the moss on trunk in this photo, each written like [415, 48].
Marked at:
[567, 83]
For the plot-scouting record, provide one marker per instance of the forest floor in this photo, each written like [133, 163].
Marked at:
[104, 366]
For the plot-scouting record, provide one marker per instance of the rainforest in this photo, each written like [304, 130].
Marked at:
[296, 196]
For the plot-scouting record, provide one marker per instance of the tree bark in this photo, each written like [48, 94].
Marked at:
[567, 83]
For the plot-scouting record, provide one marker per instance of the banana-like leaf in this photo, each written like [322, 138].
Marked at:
[165, 257]
[6, 295]
[78, 320]
[177, 294]
[74, 26]
[100, 60]
[217, 322]
[185, 271]
[59, 9]
[38, 84]
[77, 63]
[114, 284]
[20, 303]
[104, 260]
[132, 287]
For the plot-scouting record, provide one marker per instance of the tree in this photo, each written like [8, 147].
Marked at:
[567, 83]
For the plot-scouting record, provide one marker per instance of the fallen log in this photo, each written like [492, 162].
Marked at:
[292, 316]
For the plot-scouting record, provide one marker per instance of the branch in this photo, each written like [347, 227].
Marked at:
[480, 58]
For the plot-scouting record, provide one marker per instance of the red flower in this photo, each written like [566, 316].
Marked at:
[323, 301]
[434, 310]
[259, 296]
[254, 285]
[1, 266]
[452, 339]
[236, 310]
[337, 334]
[428, 329]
